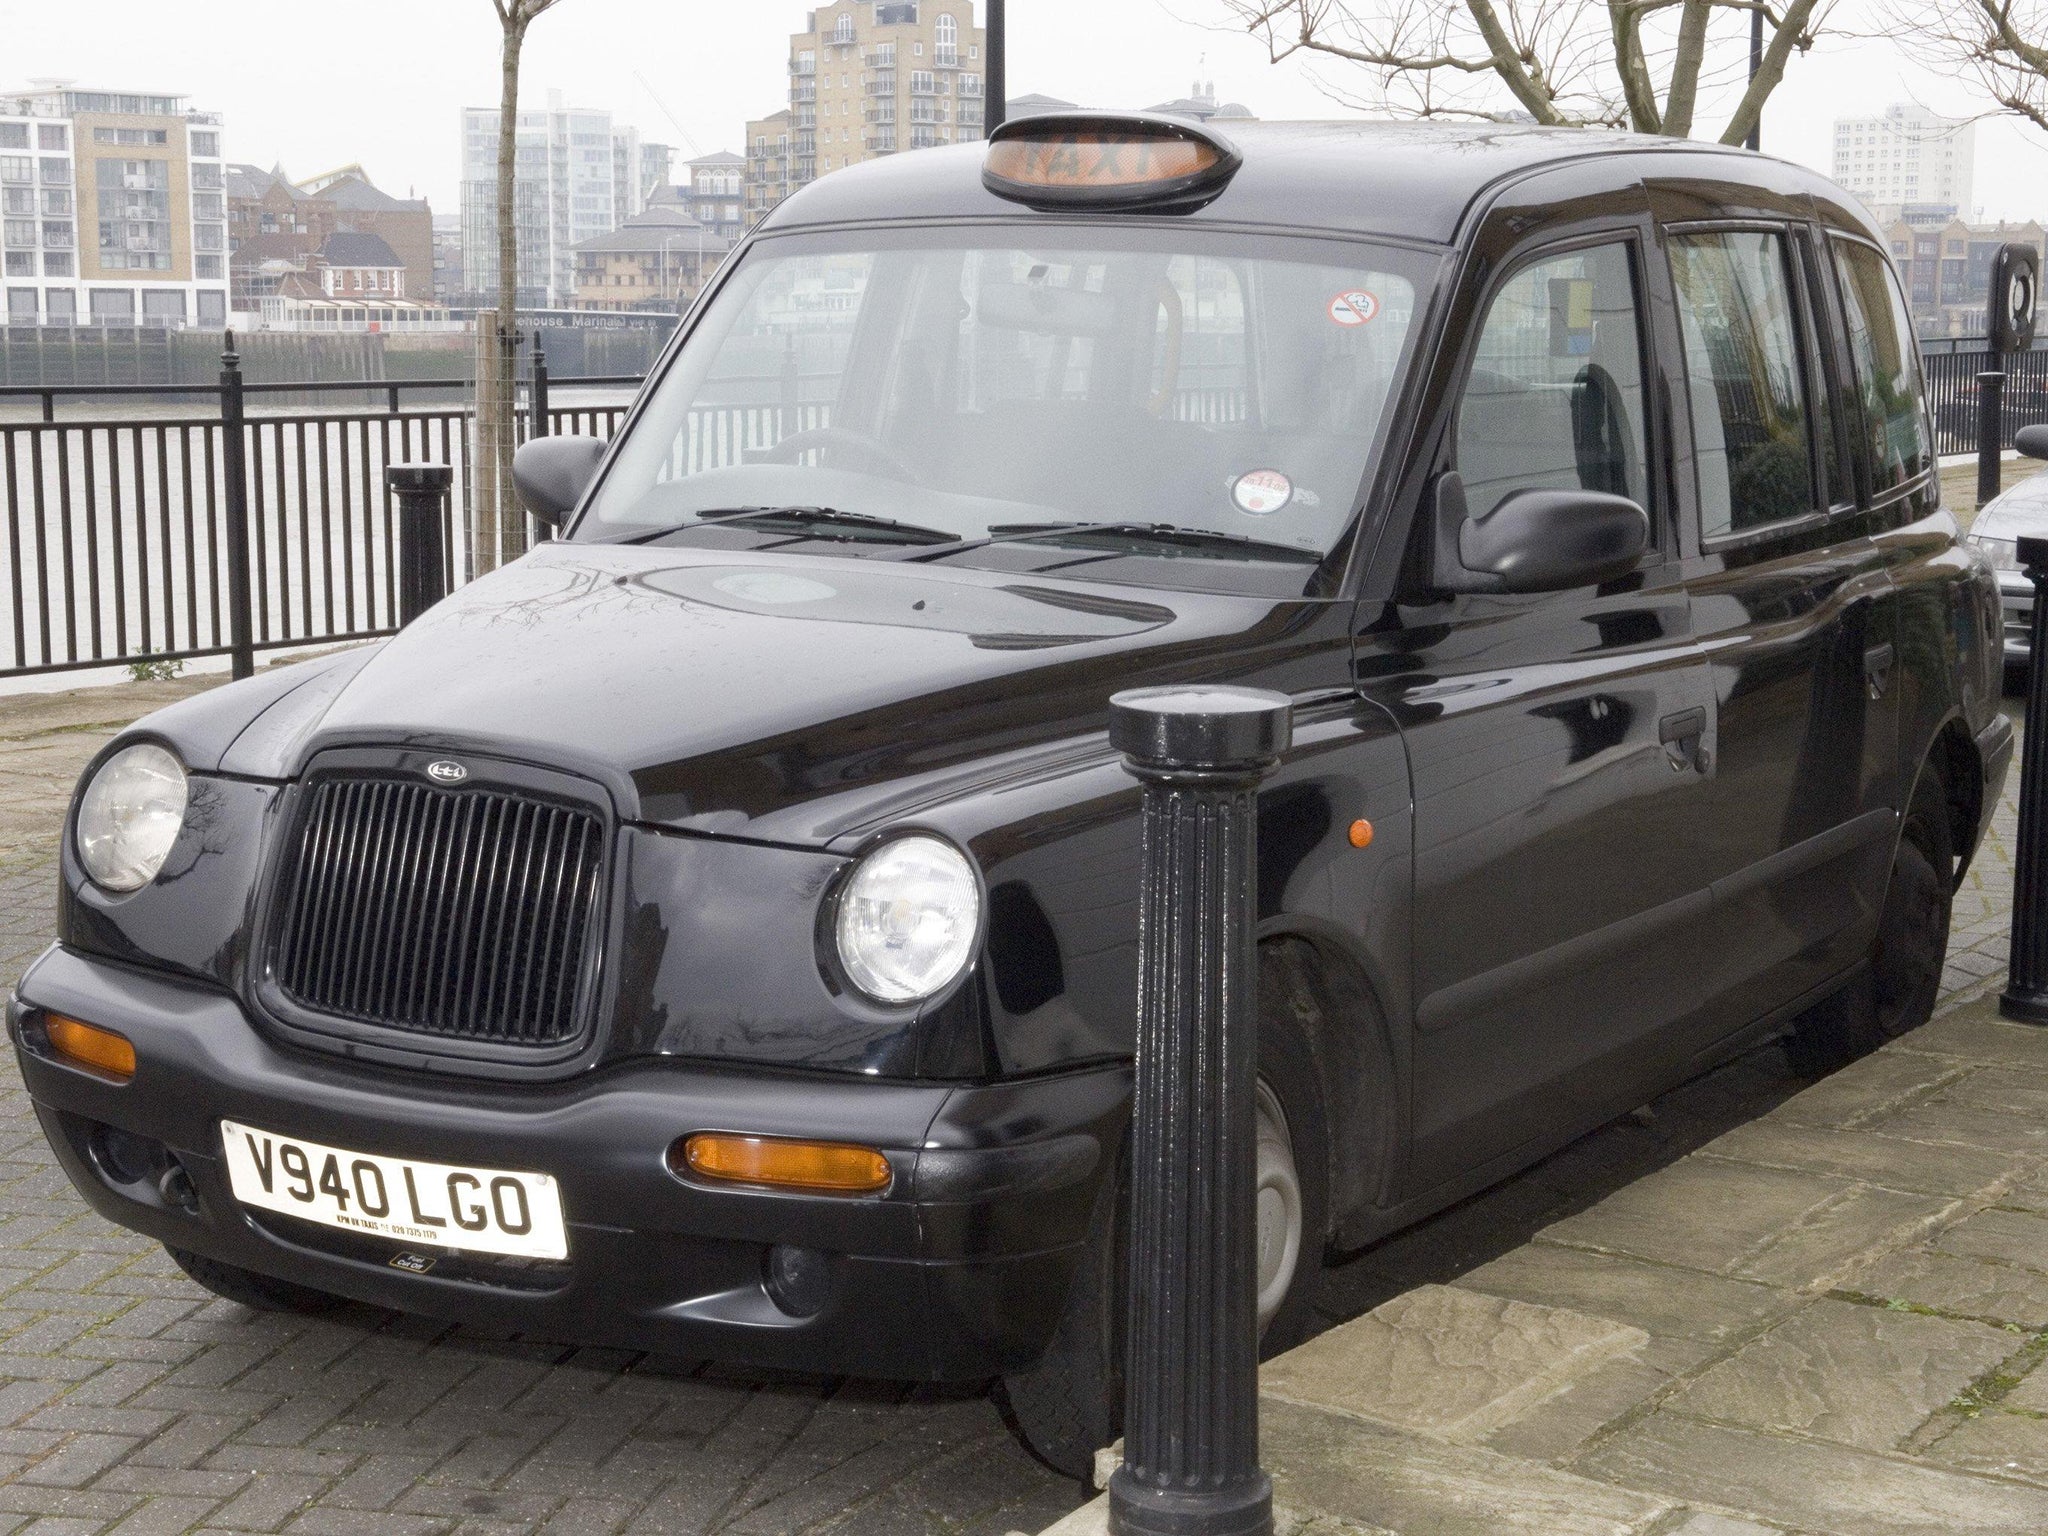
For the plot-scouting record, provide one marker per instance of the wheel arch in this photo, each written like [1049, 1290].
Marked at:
[1953, 753]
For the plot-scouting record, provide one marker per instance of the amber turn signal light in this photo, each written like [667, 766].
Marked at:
[1361, 833]
[818, 1167]
[90, 1046]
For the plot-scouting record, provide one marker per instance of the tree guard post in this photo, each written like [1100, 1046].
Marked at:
[1191, 1418]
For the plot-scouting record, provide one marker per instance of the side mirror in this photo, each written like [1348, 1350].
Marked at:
[552, 473]
[1539, 541]
[2032, 441]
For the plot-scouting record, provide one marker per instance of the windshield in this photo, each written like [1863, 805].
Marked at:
[1069, 399]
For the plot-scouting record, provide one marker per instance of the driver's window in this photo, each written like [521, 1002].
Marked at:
[782, 365]
[1554, 400]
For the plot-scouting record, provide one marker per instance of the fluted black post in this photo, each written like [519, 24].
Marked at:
[235, 515]
[2026, 986]
[421, 491]
[1191, 1416]
[1990, 431]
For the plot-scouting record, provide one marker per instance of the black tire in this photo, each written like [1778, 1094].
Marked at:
[1068, 1404]
[1897, 991]
[262, 1293]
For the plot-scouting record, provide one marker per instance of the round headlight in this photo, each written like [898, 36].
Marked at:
[907, 919]
[130, 816]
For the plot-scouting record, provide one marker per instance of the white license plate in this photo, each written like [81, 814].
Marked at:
[477, 1210]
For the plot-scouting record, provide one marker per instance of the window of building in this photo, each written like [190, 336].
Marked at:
[21, 306]
[58, 233]
[56, 172]
[207, 178]
[56, 200]
[946, 31]
[61, 303]
[58, 264]
[1887, 370]
[21, 263]
[917, 49]
[131, 136]
[1555, 397]
[17, 200]
[1752, 438]
[163, 307]
[205, 267]
[13, 135]
[16, 168]
[53, 136]
[18, 232]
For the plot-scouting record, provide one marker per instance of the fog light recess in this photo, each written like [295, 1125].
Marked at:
[776, 1162]
[800, 1281]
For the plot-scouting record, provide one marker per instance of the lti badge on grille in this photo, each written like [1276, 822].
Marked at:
[477, 1210]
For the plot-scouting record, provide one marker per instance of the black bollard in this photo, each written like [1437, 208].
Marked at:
[422, 492]
[2026, 985]
[1990, 433]
[1191, 1416]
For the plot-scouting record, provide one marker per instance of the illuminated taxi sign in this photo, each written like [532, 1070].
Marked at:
[1068, 160]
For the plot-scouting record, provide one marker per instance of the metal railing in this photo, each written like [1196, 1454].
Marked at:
[210, 513]
[1952, 366]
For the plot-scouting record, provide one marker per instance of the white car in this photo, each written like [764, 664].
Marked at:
[2021, 512]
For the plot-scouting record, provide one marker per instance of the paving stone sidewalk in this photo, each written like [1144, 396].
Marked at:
[132, 1402]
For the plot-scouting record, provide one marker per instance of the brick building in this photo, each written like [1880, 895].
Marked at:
[276, 223]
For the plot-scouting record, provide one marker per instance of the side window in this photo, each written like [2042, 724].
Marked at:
[1555, 397]
[1750, 424]
[1887, 368]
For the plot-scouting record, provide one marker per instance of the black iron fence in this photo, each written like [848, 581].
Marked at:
[1952, 367]
[119, 528]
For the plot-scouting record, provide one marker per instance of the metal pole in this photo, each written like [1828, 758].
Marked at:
[1990, 431]
[995, 84]
[422, 494]
[241, 625]
[537, 392]
[1191, 1417]
[1756, 65]
[2026, 987]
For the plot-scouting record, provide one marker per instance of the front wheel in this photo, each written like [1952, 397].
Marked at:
[1068, 1404]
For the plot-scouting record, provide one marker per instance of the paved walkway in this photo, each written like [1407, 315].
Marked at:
[131, 1402]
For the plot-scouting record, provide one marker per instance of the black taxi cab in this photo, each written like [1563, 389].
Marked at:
[713, 933]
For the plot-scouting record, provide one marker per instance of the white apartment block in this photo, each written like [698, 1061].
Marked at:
[565, 192]
[871, 77]
[113, 209]
[1909, 161]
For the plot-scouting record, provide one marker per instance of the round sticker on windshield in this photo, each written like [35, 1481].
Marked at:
[1355, 306]
[1262, 491]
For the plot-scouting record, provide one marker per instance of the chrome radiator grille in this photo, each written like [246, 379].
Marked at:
[469, 914]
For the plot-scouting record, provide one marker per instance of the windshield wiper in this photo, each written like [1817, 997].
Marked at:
[1170, 534]
[801, 518]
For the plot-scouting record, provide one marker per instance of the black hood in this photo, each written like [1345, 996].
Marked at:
[770, 696]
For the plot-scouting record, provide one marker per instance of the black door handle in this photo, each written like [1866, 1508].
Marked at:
[1877, 668]
[1681, 735]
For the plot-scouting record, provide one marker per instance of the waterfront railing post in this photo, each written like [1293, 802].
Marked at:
[1191, 1414]
[537, 392]
[421, 491]
[235, 511]
[2026, 987]
[1990, 431]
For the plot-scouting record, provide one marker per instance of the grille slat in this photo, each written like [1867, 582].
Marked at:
[466, 914]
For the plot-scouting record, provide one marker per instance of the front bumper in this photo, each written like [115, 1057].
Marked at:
[2016, 605]
[957, 1271]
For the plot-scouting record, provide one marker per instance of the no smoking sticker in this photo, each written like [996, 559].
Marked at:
[1262, 491]
[1355, 306]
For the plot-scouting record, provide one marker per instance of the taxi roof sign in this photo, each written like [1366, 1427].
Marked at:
[1107, 160]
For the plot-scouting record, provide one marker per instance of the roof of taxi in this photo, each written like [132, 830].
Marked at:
[1404, 178]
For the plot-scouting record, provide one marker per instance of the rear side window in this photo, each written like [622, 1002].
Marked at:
[1750, 423]
[1555, 397]
[1887, 368]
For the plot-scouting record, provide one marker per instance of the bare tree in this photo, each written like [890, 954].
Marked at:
[1565, 63]
[500, 532]
[2004, 43]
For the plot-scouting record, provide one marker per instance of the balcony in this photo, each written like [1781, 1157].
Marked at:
[922, 84]
[925, 138]
[803, 66]
[946, 58]
[806, 90]
[881, 143]
[881, 112]
[883, 84]
[882, 57]
[927, 112]
[969, 85]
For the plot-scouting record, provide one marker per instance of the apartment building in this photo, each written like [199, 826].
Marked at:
[768, 164]
[1946, 269]
[715, 193]
[639, 167]
[1907, 161]
[112, 209]
[872, 77]
[657, 260]
[564, 193]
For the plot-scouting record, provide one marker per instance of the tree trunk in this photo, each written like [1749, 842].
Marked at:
[499, 527]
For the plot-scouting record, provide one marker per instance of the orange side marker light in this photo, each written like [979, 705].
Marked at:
[817, 1167]
[1361, 833]
[90, 1046]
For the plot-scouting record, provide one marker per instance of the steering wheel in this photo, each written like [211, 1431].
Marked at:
[875, 451]
[1600, 431]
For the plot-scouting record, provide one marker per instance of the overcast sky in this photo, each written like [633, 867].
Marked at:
[383, 81]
